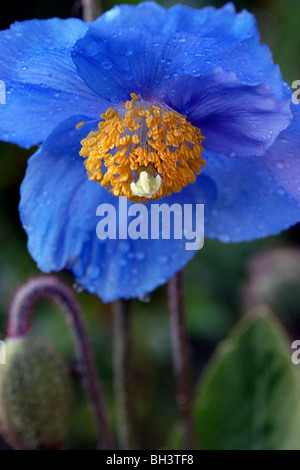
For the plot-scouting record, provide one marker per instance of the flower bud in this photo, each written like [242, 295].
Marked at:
[36, 396]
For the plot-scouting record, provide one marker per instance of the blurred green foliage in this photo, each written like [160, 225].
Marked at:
[213, 278]
[252, 380]
[248, 395]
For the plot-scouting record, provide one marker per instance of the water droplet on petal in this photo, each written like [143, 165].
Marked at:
[280, 165]
[93, 272]
[78, 288]
[106, 64]
[225, 238]
[140, 256]
[122, 262]
[163, 259]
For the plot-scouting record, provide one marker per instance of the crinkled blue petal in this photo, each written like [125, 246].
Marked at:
[58, 211]
[42, 84]
[260, 196]
[140, 48]
[237, 119]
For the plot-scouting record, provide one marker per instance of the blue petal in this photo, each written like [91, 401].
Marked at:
[235, 118]
[257, 197]
[42, 84]
[58, 211]
[140, 48]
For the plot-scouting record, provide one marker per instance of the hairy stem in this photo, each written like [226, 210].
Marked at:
[91, 9]
[180, 351]
[19, 317]
[123, 390]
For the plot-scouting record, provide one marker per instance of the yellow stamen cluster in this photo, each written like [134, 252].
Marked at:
[145, 136]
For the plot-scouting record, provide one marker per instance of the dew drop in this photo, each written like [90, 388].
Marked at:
[106, 64]
[122, 262]
[225, 238]
[280, 165]
[78, 288]
[140, 256]
[145, 298]
[93, 272]
[128, 77]
[124, 247]
[163, 259]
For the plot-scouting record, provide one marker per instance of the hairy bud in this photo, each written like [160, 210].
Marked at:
[36, 396]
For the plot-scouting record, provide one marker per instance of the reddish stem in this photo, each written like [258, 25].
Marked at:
[180, 358]
[19, 324]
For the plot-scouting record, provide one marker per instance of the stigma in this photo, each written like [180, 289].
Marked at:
[148, 182]
[143, 151]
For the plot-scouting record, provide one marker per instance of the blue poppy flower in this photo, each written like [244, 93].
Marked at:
[136, 93]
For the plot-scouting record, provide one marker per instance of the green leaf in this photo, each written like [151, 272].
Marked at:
[249, 397]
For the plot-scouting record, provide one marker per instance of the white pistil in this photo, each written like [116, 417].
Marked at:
[147, 185]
